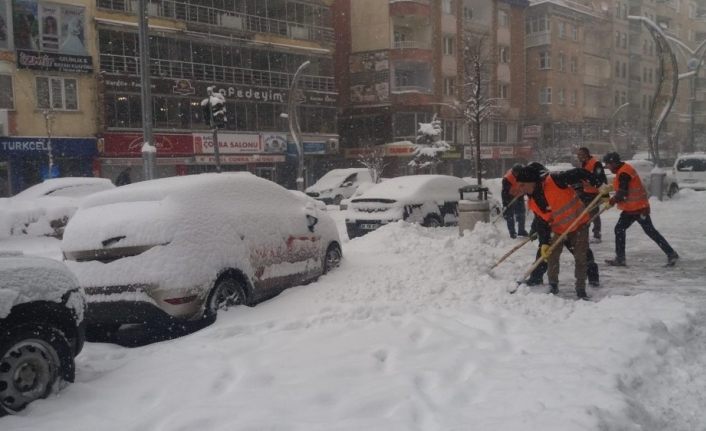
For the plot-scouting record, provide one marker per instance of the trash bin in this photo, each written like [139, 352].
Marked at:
[473, 207]
[657, 184]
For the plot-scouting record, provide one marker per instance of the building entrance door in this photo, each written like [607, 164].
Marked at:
[4, 180]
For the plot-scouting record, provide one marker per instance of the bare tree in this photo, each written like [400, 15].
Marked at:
[430, 146]
[373, 158]
[478, 105]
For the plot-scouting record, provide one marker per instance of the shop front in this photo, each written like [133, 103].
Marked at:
[25, 161]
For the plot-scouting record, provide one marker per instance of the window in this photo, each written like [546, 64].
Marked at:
[574, 32]
[545, 96]
[616, 102]
[545, 60]
[574, 97]
[560, 96]
[449, 86]
[57, 93]
[617, 39]
[448, 45]
[500, 131]
[504, 54]
[562, 30]
[503, 18]
[561, 61]
[7, 99]
[447, 6]
[624, 40]
[617, 69]
[574, 65]
[503, 91]
[467, 13]
[624, 71]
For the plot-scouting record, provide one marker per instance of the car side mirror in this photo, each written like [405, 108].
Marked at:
[311, 222]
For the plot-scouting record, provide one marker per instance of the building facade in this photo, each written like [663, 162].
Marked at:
[47, 92]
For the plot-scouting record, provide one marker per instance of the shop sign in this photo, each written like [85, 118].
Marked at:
[67, 147]
[275, 143]
[402, 149]
[130, 144]
[228, 143]
[451, 155]
[241, 160]
[314, 148]
[506, 152]
[533, 132]
[183, 87]
[53, 62]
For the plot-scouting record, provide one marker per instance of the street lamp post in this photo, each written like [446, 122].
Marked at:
[294, 128]
[148, 148]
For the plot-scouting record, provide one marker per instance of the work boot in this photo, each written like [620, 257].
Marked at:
[581, 293]
[594, 283]
[533, 281]
[672, 259]
[595, 240]
[554, 288]
[522, 233]
[513, 235]
[615, 262]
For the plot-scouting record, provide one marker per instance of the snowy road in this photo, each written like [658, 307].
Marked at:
[413, 333]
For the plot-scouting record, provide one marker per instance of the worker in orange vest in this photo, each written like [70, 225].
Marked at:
[557, 204]
[631, 198]
[589, 192]
[513, 210]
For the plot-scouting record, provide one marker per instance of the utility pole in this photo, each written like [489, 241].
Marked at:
[294, 129]
[148, 147]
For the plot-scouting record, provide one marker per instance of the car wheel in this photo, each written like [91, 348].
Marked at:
[33, 359]
[673, 190]
[431, 220]
[227, 292]
[337, 200]
[333, 257]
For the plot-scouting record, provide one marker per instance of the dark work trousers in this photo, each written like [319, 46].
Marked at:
[625, 221]
[516, 212]
[586, 199]
[591, 267]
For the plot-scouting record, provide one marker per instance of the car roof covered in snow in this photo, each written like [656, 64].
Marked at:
[333, 178]
[48, 187]
[26, 279]
[413, 188]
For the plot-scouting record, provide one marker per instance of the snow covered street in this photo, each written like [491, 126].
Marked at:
[413, 332]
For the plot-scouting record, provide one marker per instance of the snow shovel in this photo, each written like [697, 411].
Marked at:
[499, 216]
[514, 249]
[560, 240]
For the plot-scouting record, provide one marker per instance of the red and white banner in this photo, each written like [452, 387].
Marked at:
[228, 143]
[130, 144]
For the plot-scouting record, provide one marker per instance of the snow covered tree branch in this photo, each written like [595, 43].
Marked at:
[430, 146]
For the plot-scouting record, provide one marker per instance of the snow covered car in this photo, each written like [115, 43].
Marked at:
[431, 200]
[338, 184]
[185, 247]
[41, 328]
[45, 208]
[690, 171]
[362, 188]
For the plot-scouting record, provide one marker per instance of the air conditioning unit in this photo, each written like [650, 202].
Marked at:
[231, 21]
[332, 146]
[298, 32]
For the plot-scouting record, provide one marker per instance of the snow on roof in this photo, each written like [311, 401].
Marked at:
[26, 279]
[54, 184]
[414, 187]
[334, 178]
[692, 156]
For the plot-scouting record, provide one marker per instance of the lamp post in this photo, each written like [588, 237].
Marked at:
[294, 129]
[148, 148]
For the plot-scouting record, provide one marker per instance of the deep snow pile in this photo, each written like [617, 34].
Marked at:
[413, 332]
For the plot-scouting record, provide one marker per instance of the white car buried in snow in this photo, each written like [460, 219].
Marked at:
[45, 208]
[185, 247]
[431, 200]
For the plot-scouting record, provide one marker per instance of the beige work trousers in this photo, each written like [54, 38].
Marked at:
[579, 240]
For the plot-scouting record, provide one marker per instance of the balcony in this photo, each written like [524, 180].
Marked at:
[224, 19]
[411, 44]
[410, 8]
[595, 81]
[410, 89]
[175, 69]
[538, 39]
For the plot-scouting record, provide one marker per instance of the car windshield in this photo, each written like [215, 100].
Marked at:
[691, 165]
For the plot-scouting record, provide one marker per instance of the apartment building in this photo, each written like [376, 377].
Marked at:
[47, 92]
[248, 49]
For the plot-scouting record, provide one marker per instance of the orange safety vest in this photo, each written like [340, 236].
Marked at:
[514, 186]
[565, 207]
[636, 198]
[587, 187]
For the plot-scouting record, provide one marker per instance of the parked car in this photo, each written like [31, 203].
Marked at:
[431, 200]
[187, 247]
[644, 170]
[339, 184]
[362, 188]
[41, 328]
[690, 171]
[45, 208]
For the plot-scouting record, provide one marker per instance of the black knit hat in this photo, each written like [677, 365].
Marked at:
[528, 174]
[612, 157]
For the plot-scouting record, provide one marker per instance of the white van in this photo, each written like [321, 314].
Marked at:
[690, 171]
[339, 184]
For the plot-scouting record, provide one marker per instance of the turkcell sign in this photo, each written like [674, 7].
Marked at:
[26, 145]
